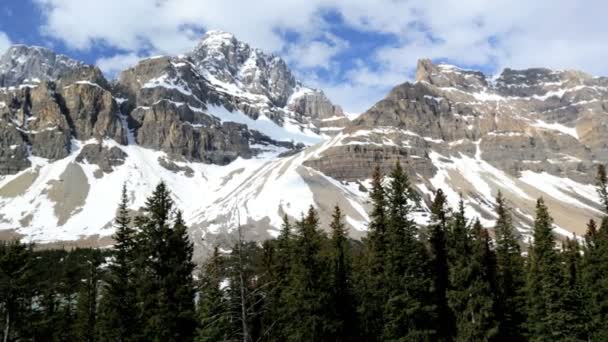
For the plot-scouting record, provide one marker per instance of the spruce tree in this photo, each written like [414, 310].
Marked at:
[371, 281]
[602, 186]
[510, 276]
[409, 310]
[439, 262]
[164, 281]
[595, 278]
[544, 301]
[595, 259]
[471, 295]
[15, 276]
[214, 322]
[575, 314]
[117, 317]
[307, 294]
[86, 310]
[341, 301]
[179, 284]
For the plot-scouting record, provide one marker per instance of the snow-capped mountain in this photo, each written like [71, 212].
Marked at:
[236, 137]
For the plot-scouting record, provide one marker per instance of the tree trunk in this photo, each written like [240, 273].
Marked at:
[242, 284]
[7, 325]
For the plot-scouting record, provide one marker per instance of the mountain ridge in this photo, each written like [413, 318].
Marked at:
[233, 123]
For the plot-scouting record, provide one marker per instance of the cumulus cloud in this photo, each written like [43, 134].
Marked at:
[493, 34]
[316, 53]
[111, 66]
[5, 42]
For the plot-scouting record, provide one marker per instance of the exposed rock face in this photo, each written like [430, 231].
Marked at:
[106, 158]
[537, 120]
[238, 71]
[31, 64]
[227, 127]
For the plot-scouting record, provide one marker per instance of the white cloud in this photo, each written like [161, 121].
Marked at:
[515, 33]
[315, 53]
[111, 66]
[5, 42]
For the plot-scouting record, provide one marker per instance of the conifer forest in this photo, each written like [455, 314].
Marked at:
[451, 280]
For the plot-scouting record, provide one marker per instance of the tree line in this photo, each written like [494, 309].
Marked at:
[452, 280]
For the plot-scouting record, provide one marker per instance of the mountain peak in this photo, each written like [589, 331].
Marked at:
[22, 62]
[446, 75]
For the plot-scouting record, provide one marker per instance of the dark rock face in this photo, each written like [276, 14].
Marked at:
[13, 150]
[105, 158]
[30, 64]
[536, 119]
[224, 60]
[170, 113]
[51, 99]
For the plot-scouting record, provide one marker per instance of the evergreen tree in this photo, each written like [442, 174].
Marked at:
[602, 186]
[15, 276]
[86, 311]
[409, 310]
[595, 278]
[307, 295]
[212, 306]
[278, 284]
[341, 301]
[575, 313]
[544, 301]
[118, 304]
[179, 284]
[371, 282]
[510, 276]
[471, 295]
[439, 262]
[164, 282]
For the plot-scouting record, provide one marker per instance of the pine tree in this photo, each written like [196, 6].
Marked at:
[439, 262]
[179, 284]
[544, 301]
[164, 281]
[510, 276]
[118, 304]
[307, 294]
[212, 305]
[471, 295]
[595, 278]
[575, 313]
[602, 186]
[371, 282]
[276, 311]
[341, 301]
[595, 259]
[86, 310]
[409, 310]
[15, 276]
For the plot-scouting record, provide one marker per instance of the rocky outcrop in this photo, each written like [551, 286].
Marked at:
[106, 158]
[259, 84]
[23, 64]
[51, 99]
[531, 120]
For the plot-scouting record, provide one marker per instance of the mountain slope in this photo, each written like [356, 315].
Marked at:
[239, 140]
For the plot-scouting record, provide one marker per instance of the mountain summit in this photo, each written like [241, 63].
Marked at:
[230, 130]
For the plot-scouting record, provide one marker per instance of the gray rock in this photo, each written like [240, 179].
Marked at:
[105, 158]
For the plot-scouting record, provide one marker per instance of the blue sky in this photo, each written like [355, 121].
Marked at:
[355, 50]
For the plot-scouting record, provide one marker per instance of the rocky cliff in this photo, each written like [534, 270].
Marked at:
[237, 137]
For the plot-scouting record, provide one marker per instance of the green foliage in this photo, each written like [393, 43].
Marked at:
[164, 271]
[117, 308]
[438, 230]
[448, 282]
[214, 324]
[510, 276]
